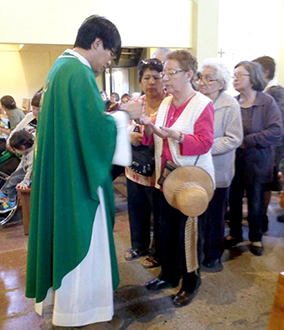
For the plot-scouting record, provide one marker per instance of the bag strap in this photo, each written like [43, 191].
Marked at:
[196, 160]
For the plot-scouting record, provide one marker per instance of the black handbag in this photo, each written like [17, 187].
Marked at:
[143, 158]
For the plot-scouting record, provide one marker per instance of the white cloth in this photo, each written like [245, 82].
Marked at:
[81, 58]
[123, 154]
[86, 293]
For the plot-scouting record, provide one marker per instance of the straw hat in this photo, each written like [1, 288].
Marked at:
[189, 189]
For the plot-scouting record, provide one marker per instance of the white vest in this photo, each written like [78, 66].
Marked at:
[185, 123]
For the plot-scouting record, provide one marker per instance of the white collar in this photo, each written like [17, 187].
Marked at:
[270, 84]
[81, 58]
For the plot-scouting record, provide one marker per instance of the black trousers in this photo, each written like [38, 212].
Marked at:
[172, 230]
[255, 200]
[116, 171]
[142, 203]
[214, 227]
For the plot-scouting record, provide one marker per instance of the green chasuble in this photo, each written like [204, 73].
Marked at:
[75, 144]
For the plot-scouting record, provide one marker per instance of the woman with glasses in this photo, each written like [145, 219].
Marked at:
[141, 189]
[254, 158]
[183, 134]
[213, 81]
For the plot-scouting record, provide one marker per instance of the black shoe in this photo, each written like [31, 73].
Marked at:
[158, 284]
[280, 218]
[264, 224]
[256, 250]
[230, 241]
[212, 266]
[184, 297]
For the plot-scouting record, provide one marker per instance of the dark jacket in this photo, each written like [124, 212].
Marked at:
[256, 160]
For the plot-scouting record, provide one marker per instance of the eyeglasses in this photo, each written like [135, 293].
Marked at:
[112, 53]
[147, 78]
[151, 61]
[240, 75]
[205, 81]
[171, 73]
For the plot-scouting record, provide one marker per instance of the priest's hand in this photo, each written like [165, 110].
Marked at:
[134, 108]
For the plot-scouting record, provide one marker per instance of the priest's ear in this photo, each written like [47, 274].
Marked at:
[97, 43]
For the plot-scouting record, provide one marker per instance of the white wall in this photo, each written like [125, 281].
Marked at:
[150, 23]
[249, 29]
[207, 29]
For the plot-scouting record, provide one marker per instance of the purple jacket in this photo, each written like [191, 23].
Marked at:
[257, 159]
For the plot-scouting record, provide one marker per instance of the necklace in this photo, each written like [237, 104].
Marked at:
[147, 110]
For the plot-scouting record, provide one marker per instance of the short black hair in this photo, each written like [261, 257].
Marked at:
[268, 64]
[151, 64]
[98, 27]
[8, 102]
[21, 138]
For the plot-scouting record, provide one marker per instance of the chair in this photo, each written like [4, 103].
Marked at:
[25, 196]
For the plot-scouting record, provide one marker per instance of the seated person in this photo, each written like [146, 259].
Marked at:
[15, 115]
[114, 102]
[8, 161]
[3, 137]
[22, 142]
[29, 122]
[124, 98]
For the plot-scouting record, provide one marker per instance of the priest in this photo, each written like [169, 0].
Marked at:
[71, 256]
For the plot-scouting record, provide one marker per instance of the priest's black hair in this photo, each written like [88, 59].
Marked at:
[99, 27]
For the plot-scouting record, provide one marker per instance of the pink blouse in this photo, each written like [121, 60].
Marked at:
[198, 143]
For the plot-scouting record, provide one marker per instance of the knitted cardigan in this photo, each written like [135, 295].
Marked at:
[185, 123]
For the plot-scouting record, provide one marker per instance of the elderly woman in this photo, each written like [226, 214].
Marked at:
[213, 80]
[141, 189]
[254, 158]
[183, 134]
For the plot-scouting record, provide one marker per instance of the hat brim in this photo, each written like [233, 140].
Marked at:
[186, 174]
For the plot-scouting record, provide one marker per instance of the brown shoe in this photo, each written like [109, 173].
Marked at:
[115, 324]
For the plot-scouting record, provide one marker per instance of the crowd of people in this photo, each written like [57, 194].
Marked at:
[17, 157]
[244, 141]
[197, 151]
[237, 140]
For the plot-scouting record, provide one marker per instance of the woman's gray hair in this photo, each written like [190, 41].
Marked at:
[221, 71]
[256, 74]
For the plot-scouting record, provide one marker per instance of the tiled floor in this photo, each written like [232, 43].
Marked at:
[238, 298]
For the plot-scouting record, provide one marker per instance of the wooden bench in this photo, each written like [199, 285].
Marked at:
[276, 321]
[25, 197]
